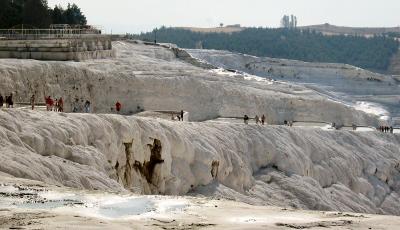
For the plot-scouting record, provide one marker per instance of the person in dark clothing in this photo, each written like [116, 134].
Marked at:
[182, 114]
[1, 101]
[263, 119]
[87, 106]
[391, 129]
[61, 105]
[246, 119]
[10, 101]
[7, 101]
[33, 101]
[285, 122]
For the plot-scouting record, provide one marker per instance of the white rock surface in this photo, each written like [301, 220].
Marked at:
[338, 81]
[152, 78]
[303, 168]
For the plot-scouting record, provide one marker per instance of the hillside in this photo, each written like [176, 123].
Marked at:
[340, 81]
[372, 53]
[394, 67]
[328, 29]
[225, 29]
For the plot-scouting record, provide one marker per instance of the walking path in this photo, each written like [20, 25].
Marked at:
[234, 120]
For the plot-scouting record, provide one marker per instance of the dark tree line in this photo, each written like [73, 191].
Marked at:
[370, 53]
[37, 13]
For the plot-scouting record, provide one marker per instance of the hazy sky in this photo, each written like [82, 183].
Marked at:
[122, 16]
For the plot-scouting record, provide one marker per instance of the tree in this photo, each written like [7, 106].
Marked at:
[36, 13]
[74, 15]
[285, 22]
[289, 22]
[58, 15]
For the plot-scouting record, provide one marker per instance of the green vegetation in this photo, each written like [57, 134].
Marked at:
[370, 53]
[36, 13]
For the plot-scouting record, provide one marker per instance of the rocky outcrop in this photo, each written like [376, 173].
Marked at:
[297, 167]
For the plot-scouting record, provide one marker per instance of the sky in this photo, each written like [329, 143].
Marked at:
[134, 16]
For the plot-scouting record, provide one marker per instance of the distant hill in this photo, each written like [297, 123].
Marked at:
[225, 29]
[373, 53]
[328, 29]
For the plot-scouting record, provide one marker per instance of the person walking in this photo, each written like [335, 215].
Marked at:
[257, 119]
[1, 101]
[75, 106]
[263, 119]
[47, 101]
[87, 106]
[118, 106]
[33, 101]
[51, 104]
[10, 101]
[182, 113]
[60, 105]
[56, 105]
[391, 129]
[246, 119]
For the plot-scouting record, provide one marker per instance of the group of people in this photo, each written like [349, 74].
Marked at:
[83, 106]
[8, 100]
[257, 118]
[386, 129]
[288, 123]
[56, 105]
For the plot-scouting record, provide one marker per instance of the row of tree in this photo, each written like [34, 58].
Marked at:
[289, 22]
[37, 13]
[371, 53]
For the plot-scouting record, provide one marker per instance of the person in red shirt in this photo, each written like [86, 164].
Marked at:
[118, 106]
[47, 100]
[51, 103]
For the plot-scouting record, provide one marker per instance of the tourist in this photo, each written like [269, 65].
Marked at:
[7, 101]
[47, 101]
[51, 104]
[391, 129]
[55, 109]
[60, 105]
[118, 106]
[263, 119]
[246, 119]
[10, 101]
[75, 106]
[285, 122]
[1, 101]
[87, 106]
[182, 114]
[257, 119]
[354, 127]
[33, 101]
